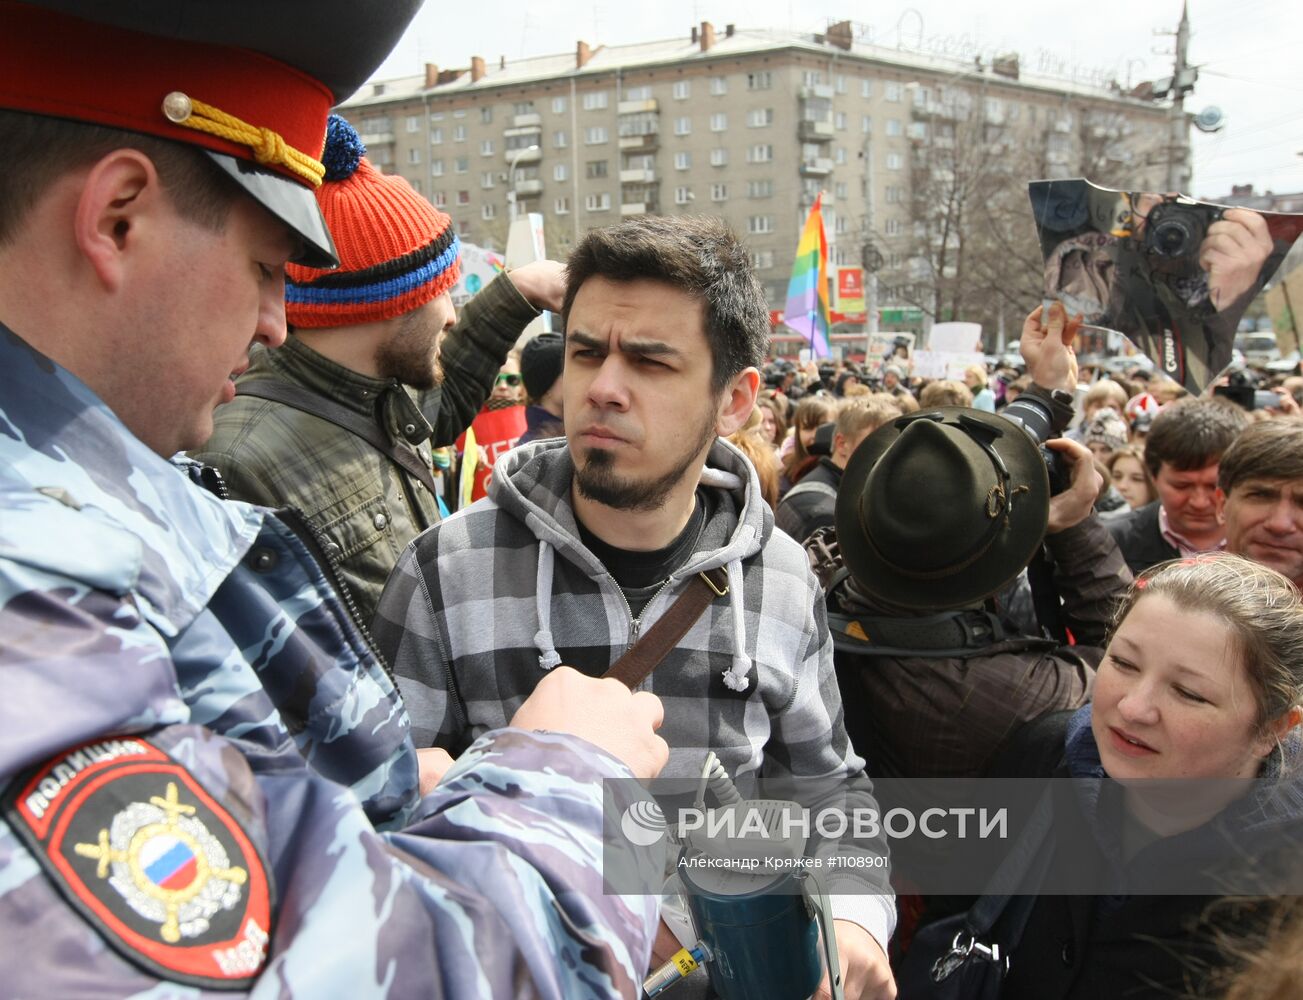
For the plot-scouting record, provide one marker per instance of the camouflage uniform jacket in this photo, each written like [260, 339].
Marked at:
[367, 507]
[192, 736]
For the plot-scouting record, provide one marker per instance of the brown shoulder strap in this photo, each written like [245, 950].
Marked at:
[643, 657]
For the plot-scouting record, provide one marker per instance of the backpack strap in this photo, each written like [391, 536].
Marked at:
[299, 398]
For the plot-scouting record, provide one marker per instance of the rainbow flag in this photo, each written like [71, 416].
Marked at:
[807, 292]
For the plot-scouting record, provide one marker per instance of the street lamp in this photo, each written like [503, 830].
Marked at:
[511, 179]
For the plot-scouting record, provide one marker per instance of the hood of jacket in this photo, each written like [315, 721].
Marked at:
[533, 484]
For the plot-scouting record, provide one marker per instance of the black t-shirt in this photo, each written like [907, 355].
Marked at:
[640, 574]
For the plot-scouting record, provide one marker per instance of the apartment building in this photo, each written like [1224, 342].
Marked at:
[747, 125]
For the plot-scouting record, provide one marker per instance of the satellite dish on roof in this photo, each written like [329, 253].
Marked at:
[1210, 119]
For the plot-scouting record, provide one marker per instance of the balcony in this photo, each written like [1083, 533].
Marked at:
[639, 143]
[524, 132]
[815, 131]
[526, 155]
[531, 120]
[529, 188]
[376, 138]
[819, 166]
[641, 175]
[822, 91]
[638, 208]
[638, 107]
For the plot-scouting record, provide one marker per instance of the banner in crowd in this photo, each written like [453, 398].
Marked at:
[807, 292]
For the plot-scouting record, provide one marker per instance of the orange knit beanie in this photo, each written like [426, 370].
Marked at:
[396, 250]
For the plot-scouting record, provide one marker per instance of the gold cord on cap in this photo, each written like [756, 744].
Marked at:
[268, 147]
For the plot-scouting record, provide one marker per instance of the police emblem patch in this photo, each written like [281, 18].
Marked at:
[155, 863]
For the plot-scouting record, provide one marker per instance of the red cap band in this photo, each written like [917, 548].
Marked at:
[65, 67]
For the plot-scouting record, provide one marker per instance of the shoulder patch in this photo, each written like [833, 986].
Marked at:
[164, 873]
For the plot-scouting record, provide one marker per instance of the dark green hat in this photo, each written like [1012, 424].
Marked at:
[940, 509]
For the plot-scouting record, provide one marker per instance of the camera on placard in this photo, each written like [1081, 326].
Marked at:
[1174, 230]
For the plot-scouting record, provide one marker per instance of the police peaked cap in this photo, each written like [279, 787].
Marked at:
[248, 81]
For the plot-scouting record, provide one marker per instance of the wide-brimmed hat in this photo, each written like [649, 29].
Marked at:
[940, 509]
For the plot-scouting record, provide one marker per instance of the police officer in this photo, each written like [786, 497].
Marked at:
[198, 745]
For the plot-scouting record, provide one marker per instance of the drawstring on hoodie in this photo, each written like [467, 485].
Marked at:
[736, 677]
[543, 641]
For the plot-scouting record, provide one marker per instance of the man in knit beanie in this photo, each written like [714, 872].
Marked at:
[330, 424]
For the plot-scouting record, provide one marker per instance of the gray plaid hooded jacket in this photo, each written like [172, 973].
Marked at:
[480, 606]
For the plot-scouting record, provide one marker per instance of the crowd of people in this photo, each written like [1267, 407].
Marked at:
[297, 706]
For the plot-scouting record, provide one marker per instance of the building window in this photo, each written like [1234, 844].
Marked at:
[459, 133]
[522, 107]
[436, 168]
[413, 122]
[416, 186]
[762, 260]
[682, 161]
[840, 226]
[558, 105]
[839, 83]
[559, 139]
[463, 197]
[436, 137]
[760, 80]
[436, 116]
[839, 156]
[760, 224]
[461, 165]
[866, 124]
[486, 179]
[440, 199]
[459, 112]
[561, 206]
[486, 115]
[639, 93]
[682, 195]
[486, 147]
[596, 135]
[595, 100]
[718, 86]
[839, 121]
[917, 130]
[812, 78]
[488, 210]
[920, 96]
[760, 189]
[559, 172]
[719, 157]
[719, 121]
[762, 153]
[594, 169]
[598, 202]
[682, 126]
[894, 161]
[892, 227]
[682, 90]
[866, 88]
[413, 156]
[893, 127]
[760, 117]
[719, 192]
[839, 190]
[891, 92]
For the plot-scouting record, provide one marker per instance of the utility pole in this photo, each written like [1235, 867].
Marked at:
[870, 256]
[1179, 172]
